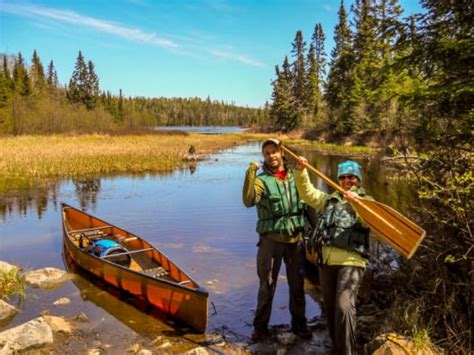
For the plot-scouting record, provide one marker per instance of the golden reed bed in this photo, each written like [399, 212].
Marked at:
[29, 161]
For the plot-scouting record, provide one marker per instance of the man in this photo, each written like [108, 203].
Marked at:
[280, 224]
[344, 243]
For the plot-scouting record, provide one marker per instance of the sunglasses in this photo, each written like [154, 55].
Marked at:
[350, 177]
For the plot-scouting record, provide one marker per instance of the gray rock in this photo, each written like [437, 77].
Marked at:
[6, 311]
[48, 277]
[81, 318]
[6, 267]
[286, 338]
[59, 324]
[61, 301]
[33, 334]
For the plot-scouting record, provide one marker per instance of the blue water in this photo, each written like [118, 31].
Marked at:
[203, 129]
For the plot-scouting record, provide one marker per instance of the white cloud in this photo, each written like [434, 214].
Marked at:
[237, 57]
[132, 34]
[38, 13]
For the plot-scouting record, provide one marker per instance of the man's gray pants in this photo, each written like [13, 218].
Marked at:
[339, 286]
[269, 257]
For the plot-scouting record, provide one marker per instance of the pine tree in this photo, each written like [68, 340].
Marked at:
[316, 70]
[445, 58]
[77, 88]
[298, 77]
[37, 73]
[21, 79]
[340, 74]
[6, 83]
[120, 108]
[52, 78]
[367, 67]
[92, 86]
[283, 112]
[84, 84]
[390, 27]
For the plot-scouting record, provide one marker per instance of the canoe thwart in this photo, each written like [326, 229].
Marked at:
[126, 253]
[89, 229]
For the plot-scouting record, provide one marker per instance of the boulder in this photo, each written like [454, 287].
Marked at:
[48, 277]
[33, 334]
[6, 311]
[59, 325]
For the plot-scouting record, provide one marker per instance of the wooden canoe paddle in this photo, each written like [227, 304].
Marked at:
[390, 226]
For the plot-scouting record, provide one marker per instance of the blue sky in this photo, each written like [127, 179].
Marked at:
[225, 49]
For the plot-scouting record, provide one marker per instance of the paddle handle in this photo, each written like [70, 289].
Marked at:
[316, 171]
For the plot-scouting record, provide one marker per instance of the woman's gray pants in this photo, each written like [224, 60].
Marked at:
[339, 286]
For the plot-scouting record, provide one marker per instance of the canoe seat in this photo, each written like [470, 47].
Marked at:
[156, 272]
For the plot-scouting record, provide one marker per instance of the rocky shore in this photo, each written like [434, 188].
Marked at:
[50, 331]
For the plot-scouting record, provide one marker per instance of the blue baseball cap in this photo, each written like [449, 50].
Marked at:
[349, 167]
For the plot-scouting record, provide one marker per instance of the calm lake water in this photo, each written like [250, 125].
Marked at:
[196, 217]
[203, 129]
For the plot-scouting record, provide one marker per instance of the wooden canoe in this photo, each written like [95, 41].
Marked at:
[150, 275]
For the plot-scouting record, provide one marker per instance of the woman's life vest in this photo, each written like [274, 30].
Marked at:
[339, 226]
[280, 210]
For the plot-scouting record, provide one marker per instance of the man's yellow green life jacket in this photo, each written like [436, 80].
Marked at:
[280, 210]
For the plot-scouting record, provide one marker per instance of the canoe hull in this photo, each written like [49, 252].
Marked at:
[187, 304]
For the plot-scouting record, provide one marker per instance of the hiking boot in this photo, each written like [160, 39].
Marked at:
[259, 335]
[304, 333]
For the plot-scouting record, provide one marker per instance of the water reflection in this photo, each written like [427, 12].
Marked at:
[87, 191]
[133, 312]
[35, 200]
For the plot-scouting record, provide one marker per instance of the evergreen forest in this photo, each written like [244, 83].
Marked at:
[32, 101]
[406, 85]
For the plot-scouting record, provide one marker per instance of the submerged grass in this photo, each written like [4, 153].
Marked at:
[31, 161]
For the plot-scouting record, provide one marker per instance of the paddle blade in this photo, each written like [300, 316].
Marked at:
[391, 226]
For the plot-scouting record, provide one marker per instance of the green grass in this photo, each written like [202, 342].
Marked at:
[333, 148]
[12, 283]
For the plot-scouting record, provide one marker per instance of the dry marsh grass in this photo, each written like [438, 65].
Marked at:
[29, 161]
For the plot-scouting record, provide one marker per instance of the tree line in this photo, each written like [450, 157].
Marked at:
[408, 82]
[383, 73]
[33, 101]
